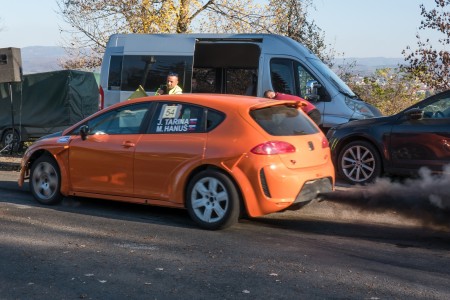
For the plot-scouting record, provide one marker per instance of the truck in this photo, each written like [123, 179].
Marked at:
[45, 103]
[243, 64]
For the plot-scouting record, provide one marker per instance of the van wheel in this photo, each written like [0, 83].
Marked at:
[212, 200]
[8, 138]
[45, 181]
[359, 163]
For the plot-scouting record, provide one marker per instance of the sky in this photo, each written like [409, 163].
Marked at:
[356, 28]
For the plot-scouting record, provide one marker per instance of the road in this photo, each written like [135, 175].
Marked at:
[92, 249]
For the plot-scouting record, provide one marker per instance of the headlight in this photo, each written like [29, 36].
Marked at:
[359, 107]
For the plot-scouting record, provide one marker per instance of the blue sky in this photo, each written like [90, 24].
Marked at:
[357, 28]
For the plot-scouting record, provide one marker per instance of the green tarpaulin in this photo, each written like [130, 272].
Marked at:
[48, 102]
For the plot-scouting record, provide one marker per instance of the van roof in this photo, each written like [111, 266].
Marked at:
[137, 42]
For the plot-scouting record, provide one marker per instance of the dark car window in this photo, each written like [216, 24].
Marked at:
[213, 119]
[172, 117]
[282, 120]
[124, 120]
[438, 109]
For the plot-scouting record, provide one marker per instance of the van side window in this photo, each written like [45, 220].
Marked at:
[150, 71]
[290, 77]
[115, 68]
[283, 76]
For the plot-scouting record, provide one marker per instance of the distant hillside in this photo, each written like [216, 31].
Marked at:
[39, 59]
[367, 65]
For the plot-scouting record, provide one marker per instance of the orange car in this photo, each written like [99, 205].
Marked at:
[218, 156]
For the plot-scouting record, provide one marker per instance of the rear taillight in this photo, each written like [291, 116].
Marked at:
[325, 143]
[273, 147]
[101, 98]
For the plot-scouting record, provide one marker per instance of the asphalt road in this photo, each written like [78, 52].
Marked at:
[92, 249]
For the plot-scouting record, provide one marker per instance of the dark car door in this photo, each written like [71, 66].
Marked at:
[426, 141]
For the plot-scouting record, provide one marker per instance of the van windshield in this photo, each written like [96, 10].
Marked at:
[327, 72]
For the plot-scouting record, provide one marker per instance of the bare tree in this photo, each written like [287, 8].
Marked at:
[431, 64]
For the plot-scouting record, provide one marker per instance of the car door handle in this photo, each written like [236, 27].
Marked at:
[128, 144]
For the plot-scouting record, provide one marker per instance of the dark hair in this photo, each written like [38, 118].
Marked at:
[266, 93]
[173, 74]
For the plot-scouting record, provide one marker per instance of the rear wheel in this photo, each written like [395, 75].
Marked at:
[8, 138]
[45, 181]
[359, 163]
[212, 200]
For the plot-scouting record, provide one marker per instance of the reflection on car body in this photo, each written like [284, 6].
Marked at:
[419, 136]
[218, 156]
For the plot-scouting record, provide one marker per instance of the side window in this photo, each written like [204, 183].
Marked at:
[213, 119]
[282, 76]
[115, 68]
[241, 81]
[125, 120]
[150, 71]
[171, 117]
[205, 81]
[303, 78]
[290, 77]
[438, 109]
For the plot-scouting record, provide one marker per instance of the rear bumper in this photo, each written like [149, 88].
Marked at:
[309, 192]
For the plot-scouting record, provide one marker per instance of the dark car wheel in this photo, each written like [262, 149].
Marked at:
[212, 200]
[8, 138]
[45, 180]
[359, 163]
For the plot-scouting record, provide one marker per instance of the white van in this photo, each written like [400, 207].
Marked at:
[244, 64]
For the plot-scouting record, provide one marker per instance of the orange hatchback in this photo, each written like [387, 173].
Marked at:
[218, 156]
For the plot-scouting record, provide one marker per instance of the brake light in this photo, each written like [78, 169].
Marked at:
[101, 98]
[325, 143]
[273, 147]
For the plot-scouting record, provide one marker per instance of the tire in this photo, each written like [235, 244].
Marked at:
[359, 163]
[45, 181]
[212, 200]
[8, 138]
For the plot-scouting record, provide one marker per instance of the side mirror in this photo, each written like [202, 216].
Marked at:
[312, 90]
[414, 114]
[84, 131]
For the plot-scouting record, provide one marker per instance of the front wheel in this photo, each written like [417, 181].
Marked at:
[45, 181]
[359, 163]
[212, 200]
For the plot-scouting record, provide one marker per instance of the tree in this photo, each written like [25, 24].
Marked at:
[429, 64]
[94, 21]
[390, 90]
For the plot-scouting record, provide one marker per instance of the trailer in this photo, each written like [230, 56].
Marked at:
[45, 103]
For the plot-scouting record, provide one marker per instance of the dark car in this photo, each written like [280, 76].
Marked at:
[401, 144]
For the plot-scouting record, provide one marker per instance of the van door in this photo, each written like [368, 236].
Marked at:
[145, 61]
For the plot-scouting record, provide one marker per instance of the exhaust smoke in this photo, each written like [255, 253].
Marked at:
[425, 199]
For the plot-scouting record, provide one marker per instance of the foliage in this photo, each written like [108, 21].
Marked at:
[428, 64]
[94, 21]
[390, 90]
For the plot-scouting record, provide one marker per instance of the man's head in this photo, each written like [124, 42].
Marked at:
[269, 94]
[172, 80]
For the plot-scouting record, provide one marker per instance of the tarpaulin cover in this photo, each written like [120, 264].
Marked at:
[49, 100]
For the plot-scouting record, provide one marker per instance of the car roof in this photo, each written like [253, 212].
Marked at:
[216, 101]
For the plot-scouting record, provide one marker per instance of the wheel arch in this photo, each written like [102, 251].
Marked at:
[62, 169]
[362, 138]
[201, 168]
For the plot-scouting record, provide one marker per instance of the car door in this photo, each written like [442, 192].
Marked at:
[174, 145]
[103, 163]
[423, 142]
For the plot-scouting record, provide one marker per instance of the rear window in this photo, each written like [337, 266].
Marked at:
[283, 120]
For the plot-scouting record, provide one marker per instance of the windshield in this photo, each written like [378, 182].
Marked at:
[327, 72]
